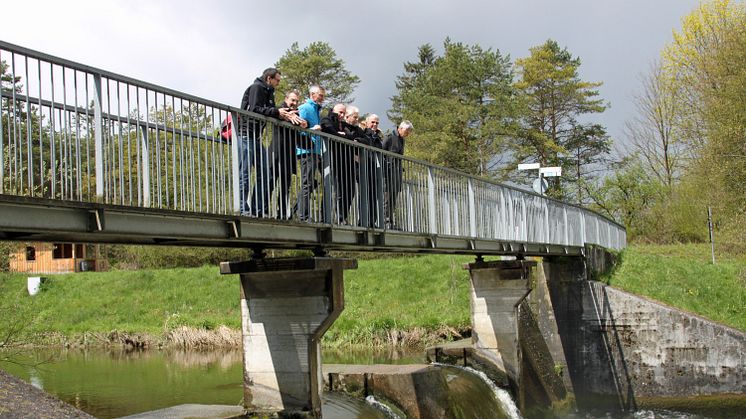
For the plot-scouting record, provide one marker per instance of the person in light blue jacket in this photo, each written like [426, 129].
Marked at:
[309, 152]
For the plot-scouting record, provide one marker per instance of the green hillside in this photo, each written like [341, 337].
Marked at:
[403, 300]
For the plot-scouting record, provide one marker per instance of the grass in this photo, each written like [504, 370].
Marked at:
[401, 300]
[683, 276]
[384, 298]
[148, 301]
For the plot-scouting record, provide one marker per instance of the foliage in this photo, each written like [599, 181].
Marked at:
[628, 196]
[461, 104]
[413, 71]
[163, 257]
[316, 64]
[552, 134]
[690, 62]
[653, 134]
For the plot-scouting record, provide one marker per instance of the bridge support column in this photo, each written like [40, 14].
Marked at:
[497, 287]
[286, 307]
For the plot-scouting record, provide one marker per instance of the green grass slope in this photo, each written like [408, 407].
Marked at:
[403, 300]
[683, 276]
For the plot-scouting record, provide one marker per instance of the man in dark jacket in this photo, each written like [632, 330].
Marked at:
[394, 143]
[370, 174]
[341, 160]
[258, 98]
[282, 155]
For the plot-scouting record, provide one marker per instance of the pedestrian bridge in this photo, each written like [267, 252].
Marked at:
[92, 156]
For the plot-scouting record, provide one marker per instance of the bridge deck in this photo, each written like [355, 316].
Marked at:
[33, 219]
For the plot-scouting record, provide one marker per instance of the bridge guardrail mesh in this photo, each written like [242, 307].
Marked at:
[76, 133]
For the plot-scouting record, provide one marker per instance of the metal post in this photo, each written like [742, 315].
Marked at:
[234, 164]
[472, 210]
[327, 203]
[145, 167]
[712, 236]
[98, 137]
[431, 201]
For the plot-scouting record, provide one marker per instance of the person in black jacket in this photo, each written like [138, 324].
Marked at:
[282, 155]
[394, 143]
[370, 174]
[258, 98]
[341, 160]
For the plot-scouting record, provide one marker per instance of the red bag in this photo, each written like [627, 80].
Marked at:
[226, 129]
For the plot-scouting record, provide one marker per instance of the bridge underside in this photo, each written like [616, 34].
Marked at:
[33, 219]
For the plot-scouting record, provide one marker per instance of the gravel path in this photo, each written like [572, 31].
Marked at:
[19, 399]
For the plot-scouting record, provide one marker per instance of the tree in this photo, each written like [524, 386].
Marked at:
[413, 70]
[551, 132]
[461, 104]
[628, 196]
[317, 64]
[689, 63]
[653, 133]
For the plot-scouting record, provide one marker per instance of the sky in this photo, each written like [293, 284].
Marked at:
[215, 49]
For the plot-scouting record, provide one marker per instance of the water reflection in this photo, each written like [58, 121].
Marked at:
[116, 383]
[109, 384]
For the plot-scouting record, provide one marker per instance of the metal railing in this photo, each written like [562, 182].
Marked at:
[76, 133]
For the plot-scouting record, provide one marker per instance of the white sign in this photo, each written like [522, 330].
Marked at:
[528, 166]
[540, 187]
[551, 171]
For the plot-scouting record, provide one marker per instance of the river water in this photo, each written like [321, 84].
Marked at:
[109, 384]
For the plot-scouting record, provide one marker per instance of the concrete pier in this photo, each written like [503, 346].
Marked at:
[286, 307]
[497, 287]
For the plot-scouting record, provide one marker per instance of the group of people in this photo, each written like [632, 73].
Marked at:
[339, 164]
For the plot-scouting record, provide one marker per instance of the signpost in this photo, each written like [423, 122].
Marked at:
[541, 185]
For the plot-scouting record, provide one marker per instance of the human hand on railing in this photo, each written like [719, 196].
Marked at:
[286, 114]
[316, 127]
[297, 120]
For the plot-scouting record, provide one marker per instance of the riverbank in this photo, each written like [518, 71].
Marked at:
[19, 399]
[411, 301]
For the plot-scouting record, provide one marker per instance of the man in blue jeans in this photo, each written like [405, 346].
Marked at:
[309, 151]
[258, 98]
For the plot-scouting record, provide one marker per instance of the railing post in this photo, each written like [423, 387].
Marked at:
[379, 174]
[235, 176]
[326, 173]
[98, 137]
[431, 201]
[547, 229]
[472, 210]
[366, 207]
[2, 146]
[145, 167]
[567, 227]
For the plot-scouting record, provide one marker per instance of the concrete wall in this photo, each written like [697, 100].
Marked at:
[658, 351]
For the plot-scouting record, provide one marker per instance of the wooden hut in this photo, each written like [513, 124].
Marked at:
[53, 258]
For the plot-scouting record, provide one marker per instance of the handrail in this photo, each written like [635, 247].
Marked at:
[97, 136]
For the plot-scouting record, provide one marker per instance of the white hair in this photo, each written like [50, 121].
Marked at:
[371, 116]
[406, 125]
[352, 109]
[315, 89]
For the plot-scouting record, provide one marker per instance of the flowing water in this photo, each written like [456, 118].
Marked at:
[116, 383]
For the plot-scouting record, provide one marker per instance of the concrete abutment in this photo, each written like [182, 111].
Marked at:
[286, 307]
